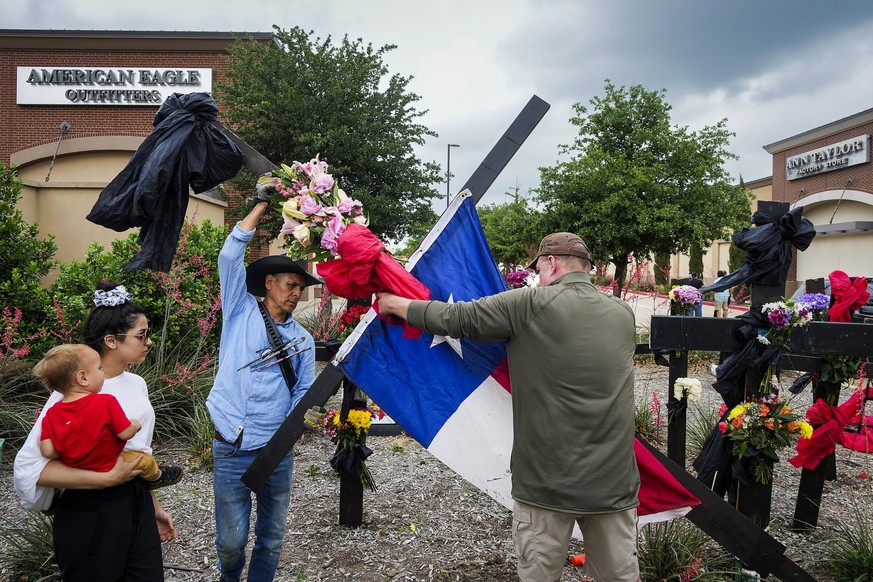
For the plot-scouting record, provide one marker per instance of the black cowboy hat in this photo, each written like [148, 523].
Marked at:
[256, 273]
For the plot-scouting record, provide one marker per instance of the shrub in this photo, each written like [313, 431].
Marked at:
[701, 420]
[648, 418]
[29, 551]
[677, 550]
[24, 258]
[182, 304]
[850, 555]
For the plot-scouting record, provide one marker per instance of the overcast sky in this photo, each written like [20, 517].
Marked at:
[773, 69]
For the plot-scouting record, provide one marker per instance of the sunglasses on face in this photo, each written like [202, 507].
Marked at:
[142, 336]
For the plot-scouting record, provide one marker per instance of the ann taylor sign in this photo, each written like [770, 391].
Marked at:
[833, 157]
[107, 85]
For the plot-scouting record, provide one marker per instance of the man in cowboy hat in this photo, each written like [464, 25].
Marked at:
[252, 396]
[570, 350]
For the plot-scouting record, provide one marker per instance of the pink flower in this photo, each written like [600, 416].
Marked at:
[722, 426]
[323, 184]
[350, 207]
[309, 205]
[335, 229]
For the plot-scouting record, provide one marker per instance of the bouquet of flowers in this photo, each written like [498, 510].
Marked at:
[315, 209]
[518, 279]
[351, 442]
[326, 224]
[690, 388]
[759, 429]
[784, 316]
[683, 299]
[817, 303]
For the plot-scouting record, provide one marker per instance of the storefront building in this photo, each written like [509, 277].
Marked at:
[827, 171]
[77, 104]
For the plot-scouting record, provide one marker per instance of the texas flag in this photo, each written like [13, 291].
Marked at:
[453, 395]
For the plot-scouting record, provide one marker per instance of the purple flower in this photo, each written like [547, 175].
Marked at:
[781, 318]
[516, 279]
[335, 229]
[815, 301]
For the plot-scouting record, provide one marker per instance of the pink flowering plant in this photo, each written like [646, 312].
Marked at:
[683, 299]
[314, 208]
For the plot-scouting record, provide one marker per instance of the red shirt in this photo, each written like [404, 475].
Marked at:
[84, 431]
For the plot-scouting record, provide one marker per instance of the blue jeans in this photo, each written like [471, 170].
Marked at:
[233, 508]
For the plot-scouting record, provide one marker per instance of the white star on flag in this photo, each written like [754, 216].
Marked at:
[453, 343]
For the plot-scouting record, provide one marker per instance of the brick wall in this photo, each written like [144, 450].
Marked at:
[26, 126]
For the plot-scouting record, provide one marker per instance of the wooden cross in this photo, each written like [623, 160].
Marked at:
[682, 334]
[328, 382]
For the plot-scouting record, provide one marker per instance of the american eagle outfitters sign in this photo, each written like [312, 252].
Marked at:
[840, 155]
[107, 85]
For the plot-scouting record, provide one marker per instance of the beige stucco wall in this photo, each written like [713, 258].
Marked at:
[79, 174]
[848, 252]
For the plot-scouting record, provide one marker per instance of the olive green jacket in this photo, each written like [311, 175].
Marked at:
[570, 350]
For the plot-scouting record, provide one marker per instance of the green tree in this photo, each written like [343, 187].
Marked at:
[416, 235]
[662, 268]
[303, 96]
[695, 259]
[513, 230]
[636, 184]
[25, 258]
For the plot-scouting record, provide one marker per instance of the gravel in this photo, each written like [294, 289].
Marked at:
[426, 523]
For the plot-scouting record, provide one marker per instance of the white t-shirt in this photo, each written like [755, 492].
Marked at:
[133, 396]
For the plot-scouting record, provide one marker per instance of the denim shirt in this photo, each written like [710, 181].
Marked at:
[254, 403]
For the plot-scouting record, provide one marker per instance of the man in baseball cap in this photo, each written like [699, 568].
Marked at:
[562, 244]
[571, 364]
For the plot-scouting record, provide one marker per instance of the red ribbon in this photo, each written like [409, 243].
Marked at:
[848, 296]
[829, 422]
[366, 268]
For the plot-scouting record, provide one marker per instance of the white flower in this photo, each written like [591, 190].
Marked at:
[690, 388]
[763, 339]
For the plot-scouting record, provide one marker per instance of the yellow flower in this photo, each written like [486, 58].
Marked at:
[291, 209]
[737, 411]
[805, 429]
[360, 419]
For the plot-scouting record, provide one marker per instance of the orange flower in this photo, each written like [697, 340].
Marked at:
[765, 410]
[793, 426]
[737, 422]
[769, 423]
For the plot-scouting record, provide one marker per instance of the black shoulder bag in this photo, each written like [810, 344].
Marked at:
[276, 342]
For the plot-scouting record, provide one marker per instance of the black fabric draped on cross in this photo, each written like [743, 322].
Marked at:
[184, 150]
[768, 249]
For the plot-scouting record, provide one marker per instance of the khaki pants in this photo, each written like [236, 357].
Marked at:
[542, 536]
[148, 465]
